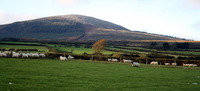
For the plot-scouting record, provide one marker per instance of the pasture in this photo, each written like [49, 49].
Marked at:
[76, 50]
[82, 75]
[141, 50]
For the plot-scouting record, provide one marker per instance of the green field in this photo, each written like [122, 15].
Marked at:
[62, 48]
[125, 50]
[147, 51]
[80, 75]
[109, 49]
[77, 50]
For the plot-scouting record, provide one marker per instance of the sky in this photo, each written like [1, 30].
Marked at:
[178, 18]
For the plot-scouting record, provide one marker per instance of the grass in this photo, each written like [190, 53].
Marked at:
[40, 48]
[54, 75]
[182, 52]
[126, 50]
[77, 50]
[147, 51]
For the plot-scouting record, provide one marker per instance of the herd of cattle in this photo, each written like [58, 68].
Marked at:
[21, 55]
[63, 58]
[136, 64]
[30, 55]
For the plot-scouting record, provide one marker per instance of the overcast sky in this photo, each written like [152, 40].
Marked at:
[179, 18]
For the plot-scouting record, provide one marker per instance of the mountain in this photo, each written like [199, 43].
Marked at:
[73, 27]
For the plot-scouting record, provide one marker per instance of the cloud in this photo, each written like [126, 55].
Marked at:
[5, 18]
[196, 26]
[192, 3]
[10, 18]
[67, 2]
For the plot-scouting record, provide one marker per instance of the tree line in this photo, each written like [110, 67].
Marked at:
[168, 46]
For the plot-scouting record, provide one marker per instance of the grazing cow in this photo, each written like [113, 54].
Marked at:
[109, 59]
[154, 63]
[190, 65]
[16, 55]
[3, 54]
[63, 58]
[174, 64]
[42, 55]
[34, 55]
[167, 64]
[70, 57]
[185, 65]
[194, 65]
[135, 64]
[115, 60]
[25, 55]
[126, 61]
[8, 52]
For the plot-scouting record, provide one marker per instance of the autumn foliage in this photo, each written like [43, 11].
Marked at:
[99, 46]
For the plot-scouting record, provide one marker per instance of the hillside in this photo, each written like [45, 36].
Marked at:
[73, 27]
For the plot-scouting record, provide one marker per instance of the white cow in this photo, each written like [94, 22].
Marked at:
[109, 59]
[42, 55]
[25, 55]
[135, 64]
[167, 64]
[185, 65]
[194, 65]
[63, 58]
[34, 55]
[126, 61]
[154, 63]
[7, 52]
[115, 60]
[70, 57]
[16, 55]
[3, 54]
[174, 64]
[190, 65]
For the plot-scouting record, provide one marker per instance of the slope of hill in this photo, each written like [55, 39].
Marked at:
[73, 27]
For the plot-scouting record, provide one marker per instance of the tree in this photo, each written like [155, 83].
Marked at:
[183, 45]
[117, 55]
[166, 45]
[143, 56]
[99, 46]
[153, 44]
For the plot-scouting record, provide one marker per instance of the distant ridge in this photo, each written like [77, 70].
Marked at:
[73, 27]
